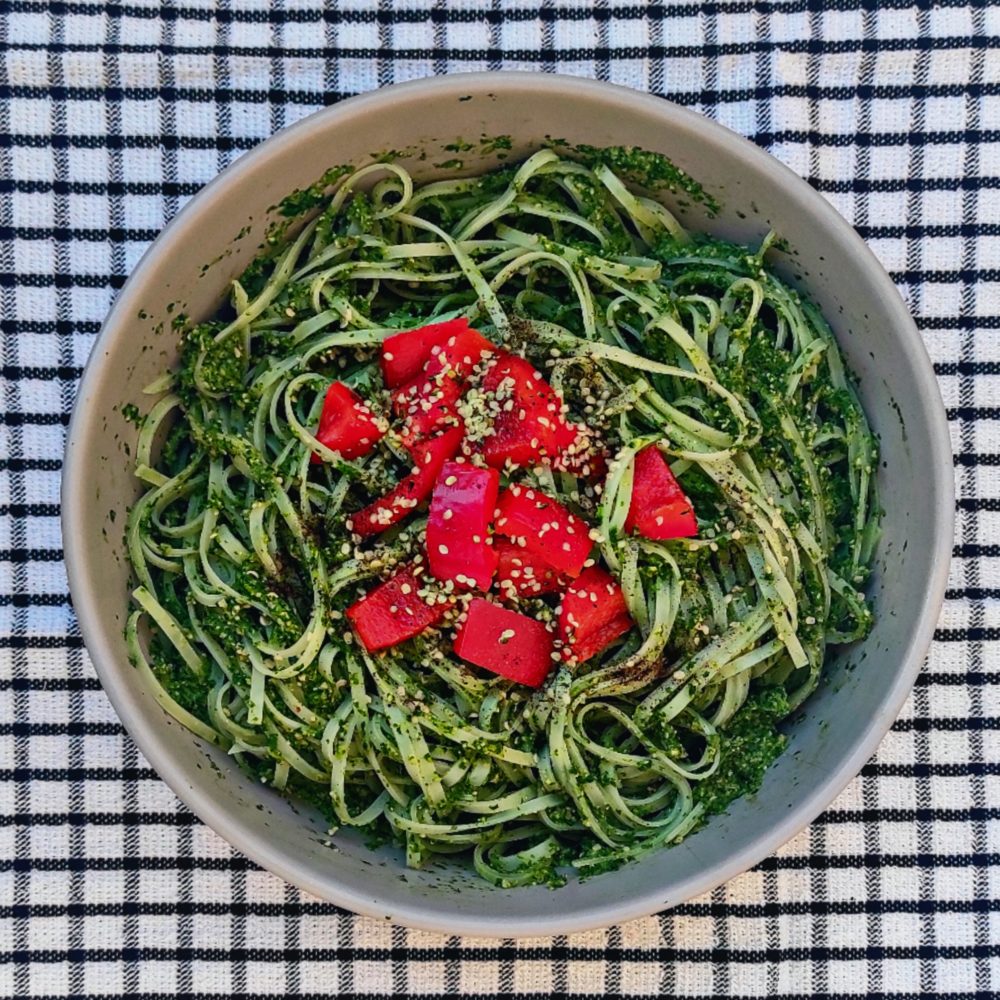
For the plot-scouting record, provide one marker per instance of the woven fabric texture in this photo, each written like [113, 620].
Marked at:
[111, 115]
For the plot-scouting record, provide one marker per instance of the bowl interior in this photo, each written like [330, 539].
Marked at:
[839, 726]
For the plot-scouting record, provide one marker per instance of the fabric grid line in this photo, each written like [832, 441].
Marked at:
[112, 115]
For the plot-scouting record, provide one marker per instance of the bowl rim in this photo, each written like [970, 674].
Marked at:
[155, 746]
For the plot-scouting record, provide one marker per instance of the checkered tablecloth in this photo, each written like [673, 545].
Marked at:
[111, 115]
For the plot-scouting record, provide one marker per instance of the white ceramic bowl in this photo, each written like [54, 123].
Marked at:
[866, 684]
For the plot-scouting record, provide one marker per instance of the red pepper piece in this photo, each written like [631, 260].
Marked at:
[589, 463]
[523, 573]
[428, 457]
[565, 434]
[532, 428]
[593, 613]
[506, 642]
[545, 527]
[426, 405]
[458, 525]
[579, 455]
[405, 354]
[346, 424]
[659, 508]
[459, 354]
[585, 649]
[393, 612]
[430, 401]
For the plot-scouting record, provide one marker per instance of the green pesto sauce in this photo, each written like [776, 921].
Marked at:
[750, 742]
[650, 170]
[303, 200]
[223, 364]
[131, 413]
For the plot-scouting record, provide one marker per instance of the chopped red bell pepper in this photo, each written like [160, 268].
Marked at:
[579, 455]
[544, 527]
[430, 401]
[346, 424]
[458, 525]
[405, 354]
[458, 355]
[593, 613]
[428, 457]
[588, 647]
[506, 642]
[565, 433]
[529, 427]
[659, 508]
[522, 573]
[426, 406]
[394, 612]
[587, 464]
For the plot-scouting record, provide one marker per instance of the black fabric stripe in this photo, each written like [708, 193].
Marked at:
[190, 142]
[975, 550]
[967, 367]
[272, 97]
[894, 185]
[976, 505]
[29, 510]
[474, 953]
[832, 862]
[35, 419]
[28, 729]
[38, 185]
[40, 642]
[751, 911]
[30, 464]
[974, 634]
[969, 678]
[73, 234]
[17, 373]
[973, 593]
[74, 684]
[45, 326]
[988, 459]
[21, 599]
[851, 185]
[973, 413]
[62, 279]
[970, 322]
[709, 50]
[78, 773]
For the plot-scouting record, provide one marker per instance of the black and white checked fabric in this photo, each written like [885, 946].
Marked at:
[111, 115]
